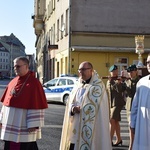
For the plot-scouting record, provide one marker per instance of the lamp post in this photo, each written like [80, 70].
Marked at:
[139, 42]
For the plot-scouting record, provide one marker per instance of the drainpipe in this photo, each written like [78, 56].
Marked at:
[69, 36]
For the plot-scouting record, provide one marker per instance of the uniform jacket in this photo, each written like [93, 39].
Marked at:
[115, 92]
[130, 91]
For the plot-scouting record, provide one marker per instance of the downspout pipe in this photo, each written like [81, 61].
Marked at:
[69, 38]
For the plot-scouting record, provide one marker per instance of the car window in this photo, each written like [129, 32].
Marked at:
[51, 83]
[70, 82]
[61, 82]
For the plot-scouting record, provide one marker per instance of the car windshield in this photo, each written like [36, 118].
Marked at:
[51, 83]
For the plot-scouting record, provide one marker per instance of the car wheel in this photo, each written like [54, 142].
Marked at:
[65, 99]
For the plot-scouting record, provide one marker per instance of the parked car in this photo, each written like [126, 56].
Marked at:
[4, 77]
[58, 89]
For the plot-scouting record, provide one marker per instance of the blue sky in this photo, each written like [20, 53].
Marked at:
[15, 17]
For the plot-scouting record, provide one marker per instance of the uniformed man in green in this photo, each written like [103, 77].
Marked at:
[130, 91]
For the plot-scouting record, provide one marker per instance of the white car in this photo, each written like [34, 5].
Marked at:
[58, 89]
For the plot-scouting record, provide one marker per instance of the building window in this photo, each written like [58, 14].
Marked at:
[48, 10]
[54, 4]
[51, 6]
[3, 67]
[122, 63]
[53, 34]
[7, 67]
[67, 22]
[62, 26]
[58, 30]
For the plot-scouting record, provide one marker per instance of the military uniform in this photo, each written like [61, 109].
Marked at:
[115, 91]
[130, 90]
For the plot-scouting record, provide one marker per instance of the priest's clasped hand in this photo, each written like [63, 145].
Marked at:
[32, 129]
[76, 109]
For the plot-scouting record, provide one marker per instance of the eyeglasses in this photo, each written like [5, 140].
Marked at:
[83, 69]
[18, 66]
[147, 62]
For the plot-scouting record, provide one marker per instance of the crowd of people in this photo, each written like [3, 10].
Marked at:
[94, 109]
[92, 114]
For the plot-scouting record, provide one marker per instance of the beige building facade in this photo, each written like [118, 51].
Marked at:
[102, 32]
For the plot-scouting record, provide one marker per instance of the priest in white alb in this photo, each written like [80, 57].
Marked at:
[86, 120]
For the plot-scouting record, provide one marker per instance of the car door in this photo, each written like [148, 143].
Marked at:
[50, 89]
[60, 89]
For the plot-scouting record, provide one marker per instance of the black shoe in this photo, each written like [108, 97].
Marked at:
[119, 143]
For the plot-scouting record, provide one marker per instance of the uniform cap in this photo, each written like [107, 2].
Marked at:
[112, 68]
[132, 68]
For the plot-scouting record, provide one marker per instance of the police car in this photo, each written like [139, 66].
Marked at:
[58, 89]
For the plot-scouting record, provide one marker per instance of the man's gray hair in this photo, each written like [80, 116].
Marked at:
[23, 58]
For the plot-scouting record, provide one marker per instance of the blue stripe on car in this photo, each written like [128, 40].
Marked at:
[58, 90]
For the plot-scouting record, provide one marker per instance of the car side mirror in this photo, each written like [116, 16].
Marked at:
[44, 85]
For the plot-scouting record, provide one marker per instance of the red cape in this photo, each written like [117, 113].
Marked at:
[29, 93]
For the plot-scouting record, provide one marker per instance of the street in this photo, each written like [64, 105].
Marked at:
[51, 132]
